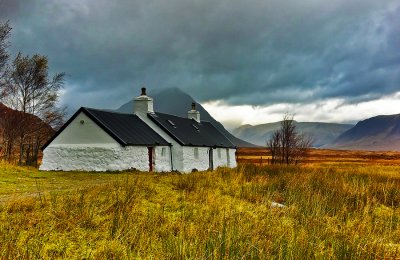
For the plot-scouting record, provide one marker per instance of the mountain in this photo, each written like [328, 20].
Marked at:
[176, 102]
[321, 133]
[379, 133]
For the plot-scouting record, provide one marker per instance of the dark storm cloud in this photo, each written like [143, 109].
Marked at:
[245, 52]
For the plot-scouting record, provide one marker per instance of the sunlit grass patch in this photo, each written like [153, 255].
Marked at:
[331, 211]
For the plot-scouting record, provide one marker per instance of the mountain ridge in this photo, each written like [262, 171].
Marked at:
[321, 133]
[378, 133]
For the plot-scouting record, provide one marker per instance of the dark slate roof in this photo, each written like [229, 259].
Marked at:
[189, 132]
[126, 129]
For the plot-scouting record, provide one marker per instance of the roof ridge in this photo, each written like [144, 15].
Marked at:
[181, 117]
[108, 111]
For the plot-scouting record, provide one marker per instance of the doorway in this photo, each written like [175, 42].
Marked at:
[211, 158]
[151, 158]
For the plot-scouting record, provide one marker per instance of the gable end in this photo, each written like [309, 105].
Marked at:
[94, 119]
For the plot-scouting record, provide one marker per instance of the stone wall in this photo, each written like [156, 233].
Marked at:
[224, 157]
[162, 159]
[74, 158]
[220, 157]
[232, 158]
[190, 161]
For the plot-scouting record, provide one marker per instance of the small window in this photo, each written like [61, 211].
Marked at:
[195, 127]
[171, 123]
[219, 153]
[196, 153]
[163, 151]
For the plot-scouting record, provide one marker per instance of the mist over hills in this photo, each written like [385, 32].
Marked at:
[379, 133]
[321, 133]
[176, 102]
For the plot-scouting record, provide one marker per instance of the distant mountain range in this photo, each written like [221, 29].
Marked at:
[321, 133]
[176, 102]
[379, 133]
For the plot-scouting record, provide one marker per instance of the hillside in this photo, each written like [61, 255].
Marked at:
[377, 133]
[13, 125]
[176, 102]
[321, 133]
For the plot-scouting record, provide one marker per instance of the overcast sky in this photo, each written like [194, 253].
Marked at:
[245, 61]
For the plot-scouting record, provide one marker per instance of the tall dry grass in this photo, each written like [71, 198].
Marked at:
[335, 211]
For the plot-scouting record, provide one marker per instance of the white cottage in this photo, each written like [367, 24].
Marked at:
[98, 140]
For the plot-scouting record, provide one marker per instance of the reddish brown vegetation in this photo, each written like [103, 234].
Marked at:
[22, 135]
[263, 156]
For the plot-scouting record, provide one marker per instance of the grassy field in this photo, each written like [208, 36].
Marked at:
[333, 210]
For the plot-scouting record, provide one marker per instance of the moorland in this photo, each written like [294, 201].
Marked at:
[337, 205]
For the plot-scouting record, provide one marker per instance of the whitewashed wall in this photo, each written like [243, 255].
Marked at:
[89, 158]
[87, 133]
[190, 162]
[232, 158]
[224, 157]
[162, 162]
[220, 157]
[227, 158]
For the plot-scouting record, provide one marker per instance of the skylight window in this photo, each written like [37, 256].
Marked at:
[171, 123]
[195, 127]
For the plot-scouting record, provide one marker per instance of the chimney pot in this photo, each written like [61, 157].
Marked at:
[194, 114]
[143, 104]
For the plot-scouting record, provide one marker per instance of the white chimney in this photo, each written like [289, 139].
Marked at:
[194, 114]
[143, 104]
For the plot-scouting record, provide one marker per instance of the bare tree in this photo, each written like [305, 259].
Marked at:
[30, 90]
[29, 99]
[274, 144]
[287, 146]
